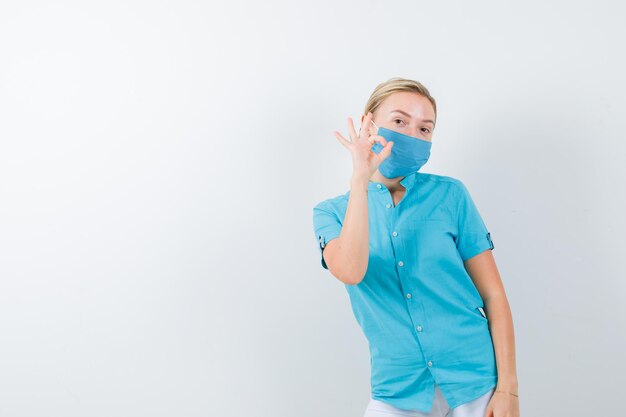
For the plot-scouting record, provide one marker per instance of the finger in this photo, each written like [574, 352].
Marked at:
[351, 129]
[364, 133]
[386, 151]
[341, 139]
[378, 138]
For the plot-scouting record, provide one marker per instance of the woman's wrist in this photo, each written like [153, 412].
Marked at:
[360, 183]
[507, 392]
[509, 385]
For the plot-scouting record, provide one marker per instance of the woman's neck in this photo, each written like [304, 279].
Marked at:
[391, 184]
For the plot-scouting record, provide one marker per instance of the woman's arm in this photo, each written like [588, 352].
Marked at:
[483, 271]
[347, 256]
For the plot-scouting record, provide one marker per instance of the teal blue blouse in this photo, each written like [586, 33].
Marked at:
[417, 306]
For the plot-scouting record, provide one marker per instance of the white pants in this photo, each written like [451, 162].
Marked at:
[475, 408]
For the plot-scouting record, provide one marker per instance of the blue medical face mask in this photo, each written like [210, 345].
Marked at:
[408, 153]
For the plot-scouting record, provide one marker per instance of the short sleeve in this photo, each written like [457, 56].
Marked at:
[473, 237]
[327, 227]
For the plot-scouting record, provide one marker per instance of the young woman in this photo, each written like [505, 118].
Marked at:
[415, 257]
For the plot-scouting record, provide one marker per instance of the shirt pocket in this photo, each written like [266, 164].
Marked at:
[433, 236]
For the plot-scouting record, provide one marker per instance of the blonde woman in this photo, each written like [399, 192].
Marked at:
[416, 259]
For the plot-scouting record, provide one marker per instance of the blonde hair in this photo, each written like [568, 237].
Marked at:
[394, 85]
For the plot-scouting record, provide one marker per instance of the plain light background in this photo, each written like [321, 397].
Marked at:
[159, 162]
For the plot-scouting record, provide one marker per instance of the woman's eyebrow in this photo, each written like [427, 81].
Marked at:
[409, 116]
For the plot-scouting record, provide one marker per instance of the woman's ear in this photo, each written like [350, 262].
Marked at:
[373, 129]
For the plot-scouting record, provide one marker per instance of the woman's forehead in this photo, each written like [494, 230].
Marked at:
[410, 105]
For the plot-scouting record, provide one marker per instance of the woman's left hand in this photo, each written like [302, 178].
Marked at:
[502, 404]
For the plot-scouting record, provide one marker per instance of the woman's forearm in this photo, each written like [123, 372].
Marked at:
[502, 334]
[352, 254]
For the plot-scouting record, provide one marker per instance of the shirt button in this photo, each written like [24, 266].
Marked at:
[379, 186]
[400, 263]
[395, 233]
[430, 363]
[408, 295]
[419, 328]
[388, 205]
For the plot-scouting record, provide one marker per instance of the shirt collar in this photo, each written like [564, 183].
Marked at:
[407, 182]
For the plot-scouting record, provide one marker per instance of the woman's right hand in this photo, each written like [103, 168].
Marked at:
[365, 161]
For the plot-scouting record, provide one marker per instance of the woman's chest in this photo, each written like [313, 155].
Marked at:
[412, 227]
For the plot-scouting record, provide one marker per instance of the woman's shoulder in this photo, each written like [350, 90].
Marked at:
[334, 203]
[441, 182]
[436, 183]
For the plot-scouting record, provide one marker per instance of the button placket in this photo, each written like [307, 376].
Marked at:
[413, 304]
[399, 253]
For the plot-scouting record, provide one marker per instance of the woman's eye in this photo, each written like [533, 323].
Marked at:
[426, 129]
[398, 120]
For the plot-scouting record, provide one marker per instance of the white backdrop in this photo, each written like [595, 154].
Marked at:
[159, 162]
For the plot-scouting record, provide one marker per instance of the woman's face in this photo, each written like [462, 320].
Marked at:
[408, 113]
